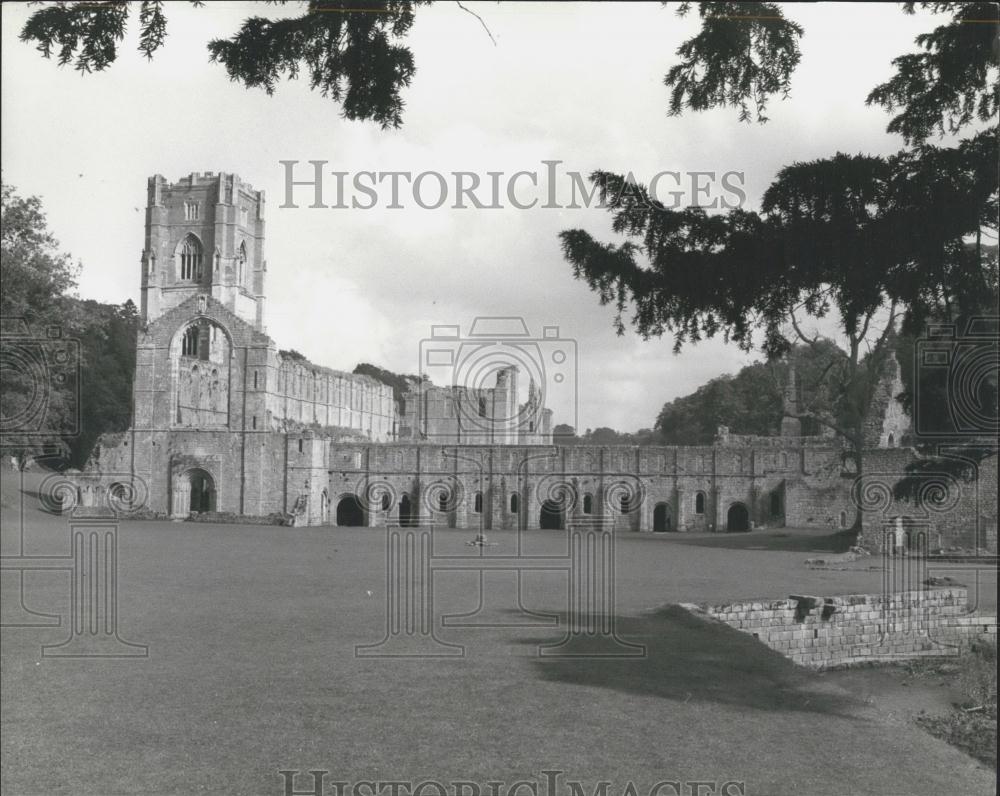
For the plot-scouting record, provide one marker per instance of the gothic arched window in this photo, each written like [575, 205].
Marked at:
[189, 343]
[241, 265]
[699, 503]
[190, 258]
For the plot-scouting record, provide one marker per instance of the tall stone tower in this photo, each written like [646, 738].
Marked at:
[791, 425]
[204, 234]
[505, 407]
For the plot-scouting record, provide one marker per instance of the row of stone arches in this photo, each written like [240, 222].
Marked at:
[350, 512]
[737, 518]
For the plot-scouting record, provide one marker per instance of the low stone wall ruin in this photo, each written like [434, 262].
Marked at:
[822, 632]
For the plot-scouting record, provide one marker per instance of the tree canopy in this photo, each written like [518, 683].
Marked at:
[351, 51]
[878, 239]
[68, 364]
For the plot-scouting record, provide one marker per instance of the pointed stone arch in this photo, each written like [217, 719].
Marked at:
[188, 258]
[242, 267]
[201, 373]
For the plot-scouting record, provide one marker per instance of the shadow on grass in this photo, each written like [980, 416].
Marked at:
[787, 540]
[692, 660]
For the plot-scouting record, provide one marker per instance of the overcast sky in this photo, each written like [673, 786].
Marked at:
[580, 83]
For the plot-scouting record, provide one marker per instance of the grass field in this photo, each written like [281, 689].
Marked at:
[252, 668]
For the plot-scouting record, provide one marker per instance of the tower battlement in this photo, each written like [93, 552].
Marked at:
[204, 234]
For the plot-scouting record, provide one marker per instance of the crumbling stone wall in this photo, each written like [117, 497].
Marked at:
[834, 631]
[948, 509]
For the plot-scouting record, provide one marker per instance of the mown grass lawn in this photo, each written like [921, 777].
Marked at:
[252, 668]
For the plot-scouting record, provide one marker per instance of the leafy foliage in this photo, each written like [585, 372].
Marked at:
[744, 53]
[954, 82]
[34, 276]
[107, 333]
[851, 230]
[748, 403]
[972, 726]
[751, 402]
[876, 238]
[96, 395]
[351, 54]
[350, 50]
[564, 434]
[35, 273]
[400, 383]
[88, 34]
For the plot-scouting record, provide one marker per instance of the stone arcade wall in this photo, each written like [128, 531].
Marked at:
[835, 631]
[654, 480]
[261, 471]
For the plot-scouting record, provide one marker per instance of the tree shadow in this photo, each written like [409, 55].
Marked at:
[689, 659]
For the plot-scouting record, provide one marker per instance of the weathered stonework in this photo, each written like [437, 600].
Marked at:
[821, 632]
[224, 422]
[948, 509]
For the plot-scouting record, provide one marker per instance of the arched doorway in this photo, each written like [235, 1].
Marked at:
[738, 518]
[349, 512]
[661, 518]
[407, 514]
[552, 516]
[202, 491]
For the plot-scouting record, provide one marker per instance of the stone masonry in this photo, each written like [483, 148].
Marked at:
[226, 422]
[836, 631]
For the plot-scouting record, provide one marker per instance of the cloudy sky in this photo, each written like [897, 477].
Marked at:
[578, 83]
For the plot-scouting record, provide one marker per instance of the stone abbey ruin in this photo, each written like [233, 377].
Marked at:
[225, 422]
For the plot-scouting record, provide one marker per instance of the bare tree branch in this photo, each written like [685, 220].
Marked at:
[481, 22]
[813, 341]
